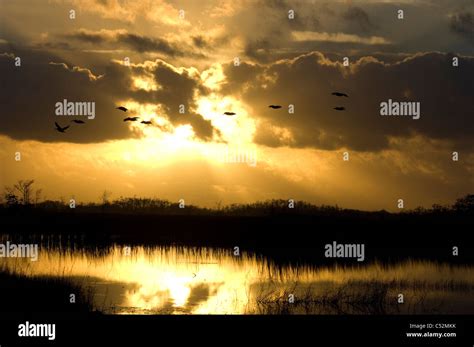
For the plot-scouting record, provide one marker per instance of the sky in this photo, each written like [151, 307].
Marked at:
[182, 64]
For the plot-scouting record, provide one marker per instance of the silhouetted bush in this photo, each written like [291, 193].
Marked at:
[138, 205]
[465, 204]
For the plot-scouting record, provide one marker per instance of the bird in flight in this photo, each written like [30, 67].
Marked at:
[146, 122]
[275, 106]
[78, 121]
[131, 119]
[340, 94]
[229, 113]
[339, 108]
[60, 129]
[121, 108]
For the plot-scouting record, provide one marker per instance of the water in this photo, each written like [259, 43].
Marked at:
[184, 280]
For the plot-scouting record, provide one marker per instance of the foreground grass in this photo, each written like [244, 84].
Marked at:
[369, 297]
[41, 294]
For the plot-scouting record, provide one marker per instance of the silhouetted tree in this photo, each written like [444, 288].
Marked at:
[420, 210]
[437, 208]
[465, 204]
[105, 197]
[25, 189]
[10, 197]
[38, 195]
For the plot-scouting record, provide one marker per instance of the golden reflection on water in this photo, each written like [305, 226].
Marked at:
[171, 280]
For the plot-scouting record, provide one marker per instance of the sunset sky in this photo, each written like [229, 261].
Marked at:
[187, 58]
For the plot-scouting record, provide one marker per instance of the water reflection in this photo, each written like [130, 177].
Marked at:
[171, 280]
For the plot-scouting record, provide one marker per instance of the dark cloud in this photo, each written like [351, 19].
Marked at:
[146, 44]
[174, 88]
[445, 93]
[55, 46]
[104, 2]
[259, 49]
[200, 41]
[266, 29]
[240, 77]
[134, 42]
[34, 88]
[267, 33]
[88, 36]
[360, 18]
[463, 24]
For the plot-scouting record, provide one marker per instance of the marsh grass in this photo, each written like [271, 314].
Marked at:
[101, 280]
[372, 297]
[21, 293]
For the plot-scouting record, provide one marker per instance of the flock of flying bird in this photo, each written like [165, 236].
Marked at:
[121, 108]
[275, 107]
[148, 122]
[63, 129]
[133, 119]
[339, 94]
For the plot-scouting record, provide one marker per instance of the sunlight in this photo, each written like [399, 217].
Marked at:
[181, 138]
[146, 83]
[166, 142]
[178, 288]
[213, 77]
[238, 129]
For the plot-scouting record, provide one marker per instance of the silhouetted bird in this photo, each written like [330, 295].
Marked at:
[275, 106]
[131, 119]
[229, 113]
[121, 108]
[59, 128]
[77, 121]
[339, 108]
[340, 94]
[146, 122]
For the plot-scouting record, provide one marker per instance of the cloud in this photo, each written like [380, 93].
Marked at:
[360, 18]
[445, 94]
[138, 43]
[463, 25]
[224, 8]
[200, 41]
[338, 37]
[130, 11]
[43, 80]
[255, 30]
[263, 28]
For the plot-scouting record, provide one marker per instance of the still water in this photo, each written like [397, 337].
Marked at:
[186, 280]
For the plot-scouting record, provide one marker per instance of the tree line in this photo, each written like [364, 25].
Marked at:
[24, 195]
